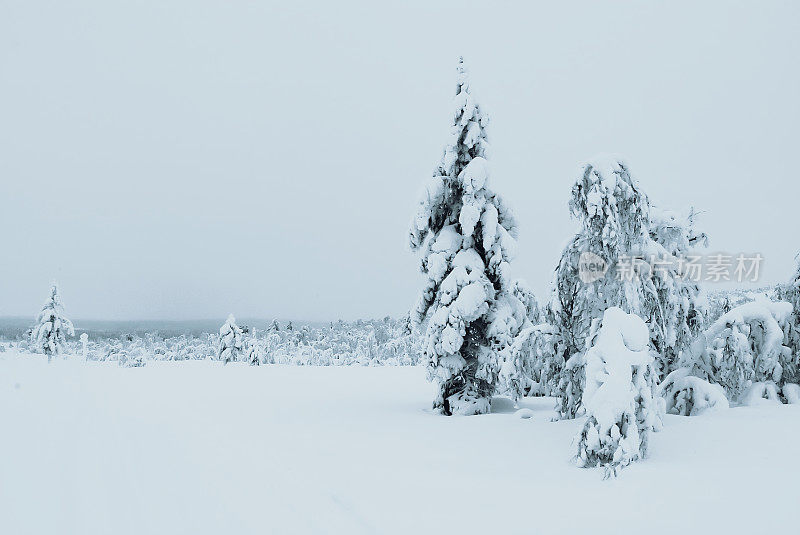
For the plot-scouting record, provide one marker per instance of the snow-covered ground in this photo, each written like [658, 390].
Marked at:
[195, 447]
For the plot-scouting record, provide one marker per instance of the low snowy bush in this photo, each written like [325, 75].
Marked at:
[687, 395]
[570, 390]
[533, 362]
[127, 360]
[791, 393]
[742, 346]
[84, 345]
[253, 352]
[231, 344]
[757, 393]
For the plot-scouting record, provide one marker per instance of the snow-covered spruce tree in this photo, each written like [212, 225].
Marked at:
[231, 343]
[52, 328]
[621, 406]
[465, 236]
[615, 218]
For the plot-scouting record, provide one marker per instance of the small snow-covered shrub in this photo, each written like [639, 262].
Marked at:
[687, 395]
[571, 383]
[742, 346]
[85, 346]
[253, 351]
[791, 393]
[619, 396]
[231, 344]
[522, 291]
[533, 362]
[548, 352]
[757, 393]
[127, 360]
[682, 308]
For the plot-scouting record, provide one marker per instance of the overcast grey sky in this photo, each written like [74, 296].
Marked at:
[187, 159]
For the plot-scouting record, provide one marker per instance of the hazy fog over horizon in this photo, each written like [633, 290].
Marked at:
[191, 159]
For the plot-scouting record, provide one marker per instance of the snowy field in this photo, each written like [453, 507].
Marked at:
[194, 447]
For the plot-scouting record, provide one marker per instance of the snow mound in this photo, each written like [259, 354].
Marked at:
[687, 395]
[524, 414]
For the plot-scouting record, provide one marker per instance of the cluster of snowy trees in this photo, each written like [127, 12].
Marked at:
[618, 350]
[365, 343]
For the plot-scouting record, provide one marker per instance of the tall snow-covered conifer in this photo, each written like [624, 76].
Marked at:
[52, 327]
[465, 236]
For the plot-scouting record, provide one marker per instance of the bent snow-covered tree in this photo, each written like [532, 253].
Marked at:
[52, 327]
[465, 236]
[613, 212]
[231, 342]
[617, 229]
[622, 407]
